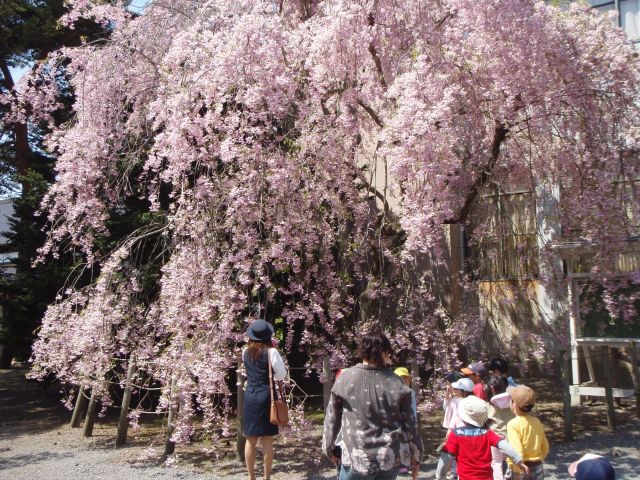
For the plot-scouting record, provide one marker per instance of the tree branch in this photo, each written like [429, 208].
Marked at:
[375, 56]
[499, 134]
[371, 113]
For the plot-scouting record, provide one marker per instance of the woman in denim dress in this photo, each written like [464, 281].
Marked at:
[257, 397]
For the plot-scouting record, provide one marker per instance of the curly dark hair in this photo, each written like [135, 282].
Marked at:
[372, 346]
[497, 385]
[499, 364]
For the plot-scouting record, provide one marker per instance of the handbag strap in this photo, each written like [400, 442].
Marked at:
[271, 387]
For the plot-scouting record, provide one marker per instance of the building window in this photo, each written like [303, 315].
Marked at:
[508, 247]
[628, 15]
[628, 194]
[630, 18]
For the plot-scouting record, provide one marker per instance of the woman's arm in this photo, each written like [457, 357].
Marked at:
[410, 428]
[277, 364]
[332, 425]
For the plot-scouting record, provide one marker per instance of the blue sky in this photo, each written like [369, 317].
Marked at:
[18, 73]
[136, 6]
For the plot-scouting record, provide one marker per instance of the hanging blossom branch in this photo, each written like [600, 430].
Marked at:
[238, 126]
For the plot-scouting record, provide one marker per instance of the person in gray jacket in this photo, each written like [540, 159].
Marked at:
[373, 409]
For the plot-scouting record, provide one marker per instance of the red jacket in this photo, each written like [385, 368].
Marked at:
[472, 448]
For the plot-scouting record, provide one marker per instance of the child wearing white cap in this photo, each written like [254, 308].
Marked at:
[471, 444]
[461, 388]
[458, 388]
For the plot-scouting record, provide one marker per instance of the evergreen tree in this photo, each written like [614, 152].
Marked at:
[29, 31]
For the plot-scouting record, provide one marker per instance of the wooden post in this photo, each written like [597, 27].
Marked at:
[78, 410]
[611, 420]
[415, 377]
[170, 445]
[415, 385]
[566, 395]
[635, 373]
[90, 418]
[240, 439]
[326, 386]
[574, 321]
[455, 234]
[123, 421]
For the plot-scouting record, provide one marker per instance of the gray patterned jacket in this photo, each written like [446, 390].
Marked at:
[374, 410]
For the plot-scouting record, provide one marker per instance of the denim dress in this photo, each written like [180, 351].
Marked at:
[257, 398]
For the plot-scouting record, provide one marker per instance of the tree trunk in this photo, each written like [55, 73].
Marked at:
[5, 356]
[20, 132]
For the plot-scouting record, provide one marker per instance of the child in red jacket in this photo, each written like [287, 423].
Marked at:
[471, 444]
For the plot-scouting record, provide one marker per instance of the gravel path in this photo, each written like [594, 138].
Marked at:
[58, 455]
[36, 443]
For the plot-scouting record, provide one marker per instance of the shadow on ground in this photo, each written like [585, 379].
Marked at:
[27, 406]
[20, 460]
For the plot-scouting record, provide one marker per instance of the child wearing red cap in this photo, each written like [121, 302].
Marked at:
[476, 372]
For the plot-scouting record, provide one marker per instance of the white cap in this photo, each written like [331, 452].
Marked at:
[465, 384]
[502, 400]
[473, 410]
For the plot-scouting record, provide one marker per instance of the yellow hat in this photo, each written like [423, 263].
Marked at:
[402, 372]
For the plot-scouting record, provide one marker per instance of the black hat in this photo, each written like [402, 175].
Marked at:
[453, 377]
[260, 330]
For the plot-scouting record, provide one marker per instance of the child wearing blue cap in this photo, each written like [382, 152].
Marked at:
[592, 467]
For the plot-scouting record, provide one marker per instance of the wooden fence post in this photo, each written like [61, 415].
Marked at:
[566, 395]
[240, 439]
[611, 419]
[415, 376]
[415, 385]
[78, 410]
[326, 386]
[170, 445]
[123, 421]
[635, 373]
[90, 418]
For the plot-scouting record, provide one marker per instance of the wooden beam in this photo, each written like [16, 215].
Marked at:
[78, 410]
[635, 373]
[90, 419]
[581, 390]
[609, 342]
[611, 414]
[572, 294]
[240, 439]
[566, 396]
[326, 386]
[123, 421]
[170, 445]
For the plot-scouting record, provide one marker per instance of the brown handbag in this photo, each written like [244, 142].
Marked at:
[279, 412]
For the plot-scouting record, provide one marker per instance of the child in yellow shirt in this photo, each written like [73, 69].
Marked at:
[526, 434]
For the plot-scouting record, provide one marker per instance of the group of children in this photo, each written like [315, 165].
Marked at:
[491, 433]
[490, 420]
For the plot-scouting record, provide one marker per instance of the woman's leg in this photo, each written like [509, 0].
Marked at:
[267, 455]
[250, 456]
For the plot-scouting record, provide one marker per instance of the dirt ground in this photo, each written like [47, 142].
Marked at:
[36, 441]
